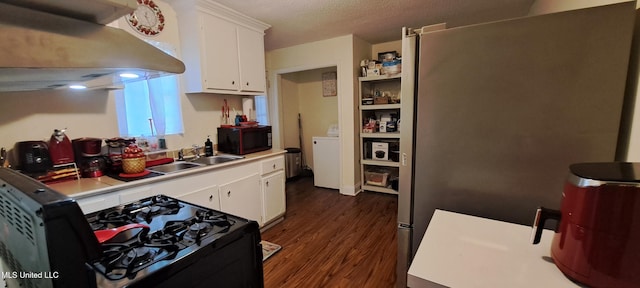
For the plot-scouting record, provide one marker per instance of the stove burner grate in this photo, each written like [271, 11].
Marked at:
[110, 219]
[123, 260]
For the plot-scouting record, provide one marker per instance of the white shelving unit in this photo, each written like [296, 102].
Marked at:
[387, 89]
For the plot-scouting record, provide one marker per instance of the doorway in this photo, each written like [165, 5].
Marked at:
[307, 109]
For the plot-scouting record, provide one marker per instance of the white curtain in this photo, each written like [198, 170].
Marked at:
[156, 99]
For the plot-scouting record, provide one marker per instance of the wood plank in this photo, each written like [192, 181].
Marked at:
[333, 240]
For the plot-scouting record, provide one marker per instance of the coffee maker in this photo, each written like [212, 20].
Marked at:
[88, 155]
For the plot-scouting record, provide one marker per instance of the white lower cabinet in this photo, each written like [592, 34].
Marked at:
[207, 197]
[254, 190]
[242, 198]
[99, 202]
[273, 195]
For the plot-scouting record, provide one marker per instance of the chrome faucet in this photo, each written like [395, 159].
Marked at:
[196, 150]
[180, 155]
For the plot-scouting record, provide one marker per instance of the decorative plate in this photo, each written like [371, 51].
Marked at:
[147, 19]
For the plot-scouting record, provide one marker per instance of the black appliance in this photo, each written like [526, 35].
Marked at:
[179, 245]
[242, 140]
[33, 156]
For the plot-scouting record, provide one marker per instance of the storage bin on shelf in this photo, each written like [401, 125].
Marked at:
[376, 178]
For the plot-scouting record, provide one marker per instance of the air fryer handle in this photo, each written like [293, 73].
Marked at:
[542, 215]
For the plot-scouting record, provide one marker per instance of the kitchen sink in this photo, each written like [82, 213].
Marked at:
[174, 167]
[212, 160]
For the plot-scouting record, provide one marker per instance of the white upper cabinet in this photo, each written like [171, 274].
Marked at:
[251, 59]
[219, 54]
[223, 50]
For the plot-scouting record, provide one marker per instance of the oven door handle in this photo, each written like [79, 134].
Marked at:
[107, 234]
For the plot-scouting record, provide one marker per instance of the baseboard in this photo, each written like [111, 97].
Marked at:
[271, 223]
[350, 190]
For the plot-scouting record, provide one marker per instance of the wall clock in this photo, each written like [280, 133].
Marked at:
[147, 19]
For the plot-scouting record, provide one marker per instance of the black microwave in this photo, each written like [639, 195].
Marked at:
[244, 140]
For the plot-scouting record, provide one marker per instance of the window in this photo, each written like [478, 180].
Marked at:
[262, 115]
[150, 107]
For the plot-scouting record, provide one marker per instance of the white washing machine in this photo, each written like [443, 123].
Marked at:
[326, 162]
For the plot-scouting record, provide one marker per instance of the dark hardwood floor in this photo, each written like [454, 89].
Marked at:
[333, 240]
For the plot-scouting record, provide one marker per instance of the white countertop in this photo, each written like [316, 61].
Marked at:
[462, 251]
[86, 187]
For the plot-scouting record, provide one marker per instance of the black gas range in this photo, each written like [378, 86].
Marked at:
[157, 241]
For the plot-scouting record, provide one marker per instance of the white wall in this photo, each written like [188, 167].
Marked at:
[361, 50]
[290, 109]
[337, 52]
[386, 47]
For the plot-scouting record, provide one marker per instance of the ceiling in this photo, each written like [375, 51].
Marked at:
[295, 22]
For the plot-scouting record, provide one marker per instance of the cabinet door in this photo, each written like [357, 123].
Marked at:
[219, 54]
[273, 194]
[251, 58]
[207, 197]
[242, 197]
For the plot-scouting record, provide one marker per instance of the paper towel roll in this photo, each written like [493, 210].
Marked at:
[247, 108]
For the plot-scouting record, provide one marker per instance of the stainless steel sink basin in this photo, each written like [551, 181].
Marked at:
[174, 167]
[212, 160]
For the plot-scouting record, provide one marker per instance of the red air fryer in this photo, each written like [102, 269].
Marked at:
[597, 240]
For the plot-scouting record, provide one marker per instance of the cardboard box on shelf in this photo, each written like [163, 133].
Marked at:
[381, 100]
[380, 150]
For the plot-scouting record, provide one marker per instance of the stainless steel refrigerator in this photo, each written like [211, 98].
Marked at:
[493, 114]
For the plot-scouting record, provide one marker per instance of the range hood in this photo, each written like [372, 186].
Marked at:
[40, 50]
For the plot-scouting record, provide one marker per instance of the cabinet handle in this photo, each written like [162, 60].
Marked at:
[274, 166]
[247, 83]
[267, 183]
[229, 194]
[210, 198]
[233, 82]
